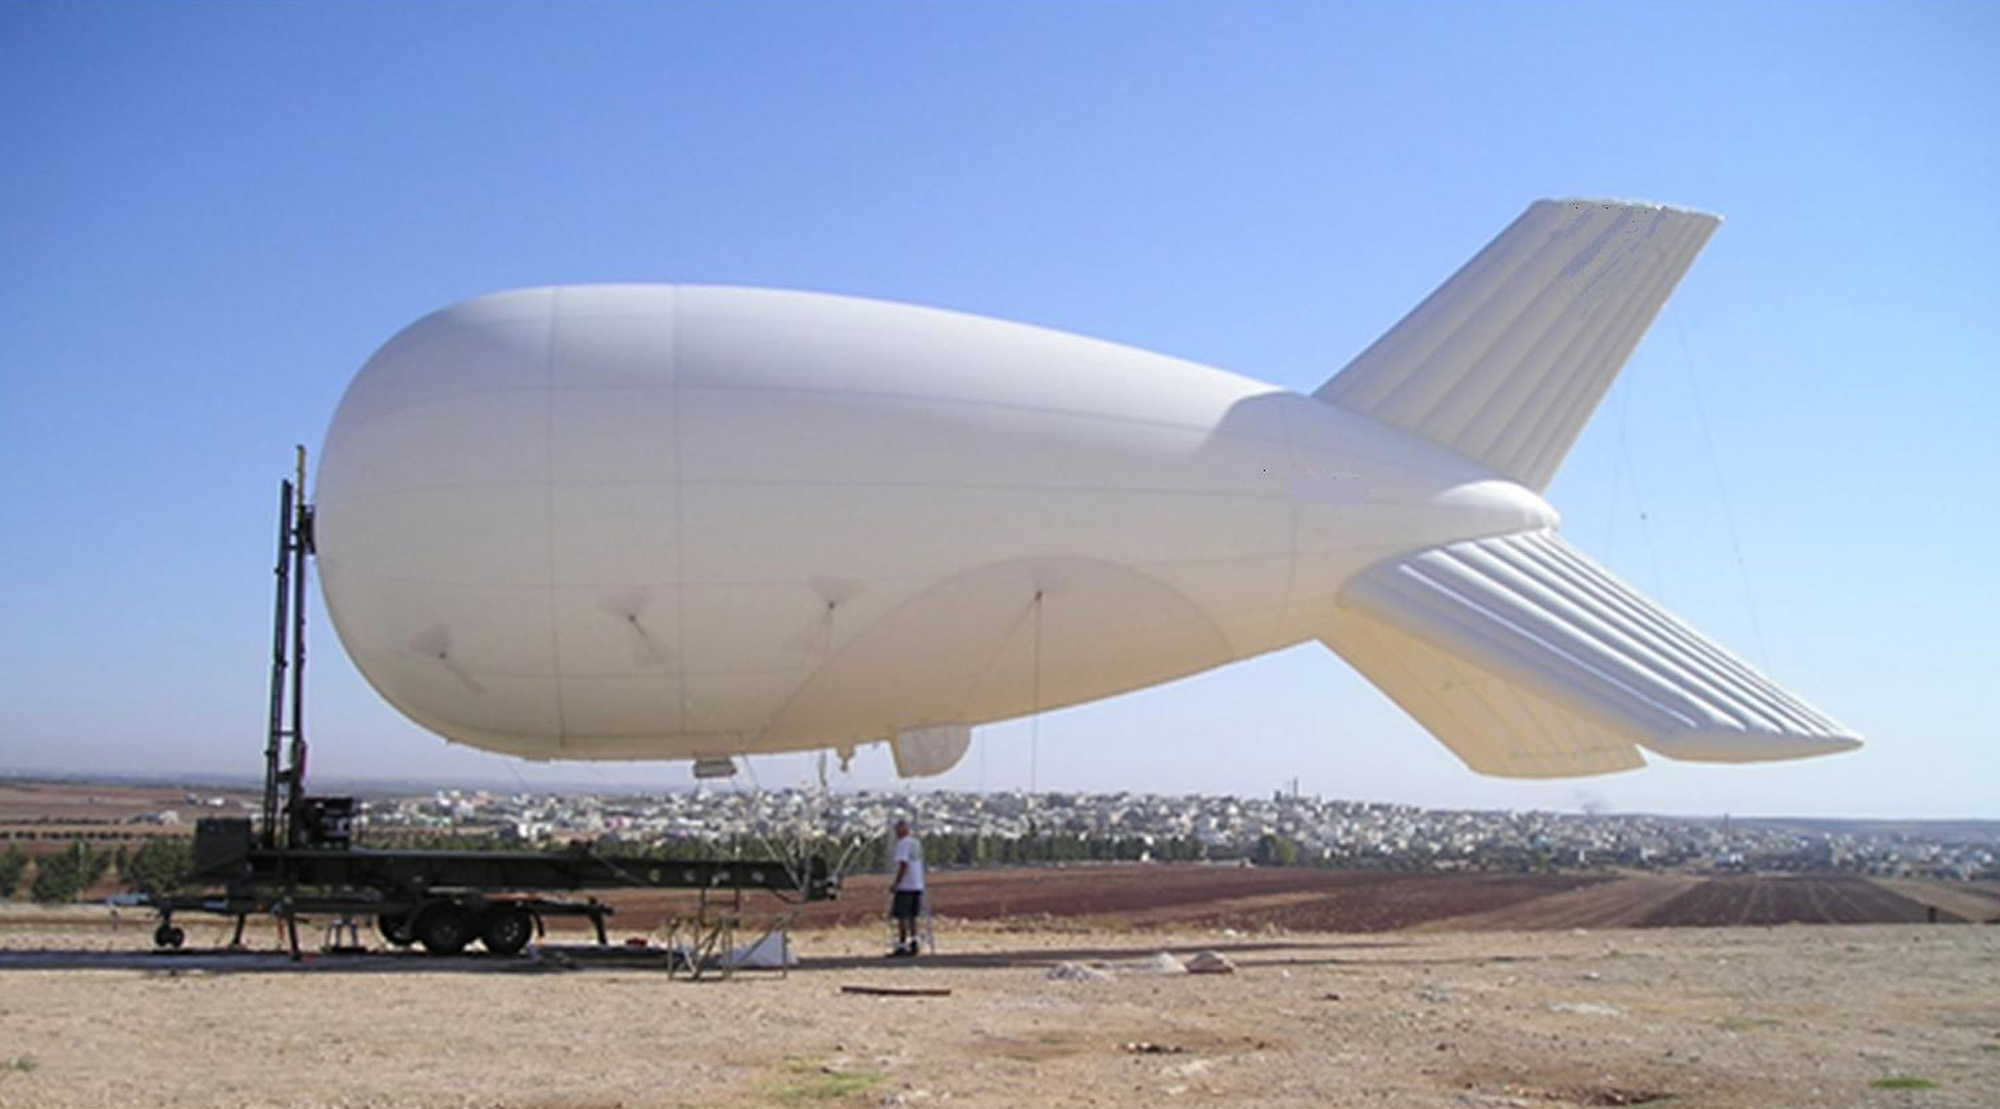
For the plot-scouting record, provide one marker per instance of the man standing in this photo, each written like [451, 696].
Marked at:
[906, 896]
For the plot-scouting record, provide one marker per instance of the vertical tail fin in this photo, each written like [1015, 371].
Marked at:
[1505, 362]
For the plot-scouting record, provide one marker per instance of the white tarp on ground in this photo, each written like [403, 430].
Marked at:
[769, 953]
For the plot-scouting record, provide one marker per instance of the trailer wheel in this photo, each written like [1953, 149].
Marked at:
[168, 936]
[506, 929]
[444, 927]
[395, 927]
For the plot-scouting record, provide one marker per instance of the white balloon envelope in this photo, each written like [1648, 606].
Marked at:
[672, 522]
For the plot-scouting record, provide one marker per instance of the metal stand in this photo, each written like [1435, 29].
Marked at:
[699, 943]
[706, 941]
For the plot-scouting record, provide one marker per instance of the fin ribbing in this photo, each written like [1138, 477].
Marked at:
[1506, 361]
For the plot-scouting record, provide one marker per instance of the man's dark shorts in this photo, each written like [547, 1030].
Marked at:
[907, 904]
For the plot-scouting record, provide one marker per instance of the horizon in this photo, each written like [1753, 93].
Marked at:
[398, 787]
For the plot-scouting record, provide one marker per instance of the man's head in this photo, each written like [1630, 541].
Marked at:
[902, 828]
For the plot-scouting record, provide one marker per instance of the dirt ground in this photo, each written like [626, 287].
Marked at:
[1853, 1015]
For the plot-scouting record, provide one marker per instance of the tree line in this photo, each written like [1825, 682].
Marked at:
[160, 865]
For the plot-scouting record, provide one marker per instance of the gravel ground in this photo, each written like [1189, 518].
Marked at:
[1705, 1017]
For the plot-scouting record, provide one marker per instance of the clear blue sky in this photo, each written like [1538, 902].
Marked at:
[211, 214]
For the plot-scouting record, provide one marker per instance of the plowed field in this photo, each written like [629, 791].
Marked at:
[1756, 899]
[1298, 899]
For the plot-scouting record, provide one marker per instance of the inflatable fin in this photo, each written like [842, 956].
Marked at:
[1505, 362]
[1494, 726]
[1529, 660]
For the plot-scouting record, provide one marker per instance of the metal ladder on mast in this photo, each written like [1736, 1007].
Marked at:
[285, 743]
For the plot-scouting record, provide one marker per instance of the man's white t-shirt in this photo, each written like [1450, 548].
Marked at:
[909, 850]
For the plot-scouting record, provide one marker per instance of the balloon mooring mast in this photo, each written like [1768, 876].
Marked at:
[285, 747]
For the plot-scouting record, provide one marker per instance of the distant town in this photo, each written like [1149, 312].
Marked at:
[1283, 829]
[973, 829]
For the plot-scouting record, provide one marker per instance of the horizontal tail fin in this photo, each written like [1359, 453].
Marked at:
[1493, 725]
[1505, 362]
[1529, 660]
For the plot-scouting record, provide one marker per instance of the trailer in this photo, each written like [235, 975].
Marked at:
[443, 901]
[300, 859]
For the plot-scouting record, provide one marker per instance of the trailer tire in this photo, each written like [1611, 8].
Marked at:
[444, 927]
[395, 927]
[506, 929]
[168, 936]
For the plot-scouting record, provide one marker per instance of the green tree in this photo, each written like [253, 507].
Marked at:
[160, 866]
[1275, 850]
[12, 864]
[62, 876]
